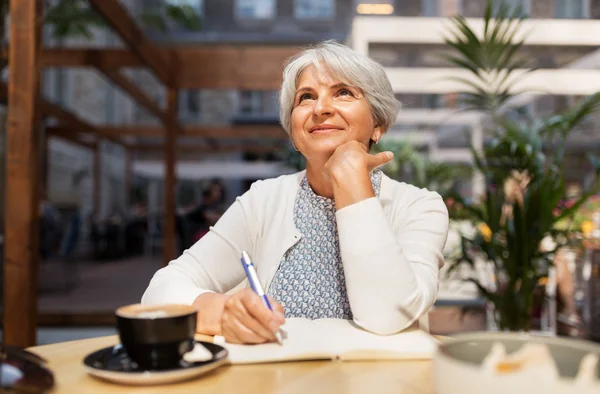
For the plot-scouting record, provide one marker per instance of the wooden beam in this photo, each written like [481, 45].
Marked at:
[233, 67]
[117, 77]
[68, 119]
[22, 175]
[111, 59]
[121, 22]
[136, 93]
[262, 64]
[70, 136]
[75, 123]
[204, 149]
[216, 132]
[141, 98]
[169, 240]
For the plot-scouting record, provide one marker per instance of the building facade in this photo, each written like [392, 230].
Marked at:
[562, 42]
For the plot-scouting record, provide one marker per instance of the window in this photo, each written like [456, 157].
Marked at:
[258, 102]
[571, 9]
[449, 7]
[255, 9]
[433, 101]
[440, 7]
[429, 7]
[189, 104]
[314, 9]
[525, 6]
[197, 5]
[249, 102]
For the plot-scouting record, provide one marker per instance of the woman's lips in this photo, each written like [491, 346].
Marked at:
[324, 131]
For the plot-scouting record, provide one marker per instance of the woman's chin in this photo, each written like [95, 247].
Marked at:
[326, 144]
[324, 149]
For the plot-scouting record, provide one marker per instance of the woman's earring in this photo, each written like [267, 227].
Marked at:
[376, 140]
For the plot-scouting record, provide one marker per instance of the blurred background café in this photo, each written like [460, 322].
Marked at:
[134, 149]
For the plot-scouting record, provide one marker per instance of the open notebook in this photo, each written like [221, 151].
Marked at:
[333, 339]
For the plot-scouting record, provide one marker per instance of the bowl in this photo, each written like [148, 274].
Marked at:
[458, 365]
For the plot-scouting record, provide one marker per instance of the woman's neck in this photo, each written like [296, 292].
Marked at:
[320, 185]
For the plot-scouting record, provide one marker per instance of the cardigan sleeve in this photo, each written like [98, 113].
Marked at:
[391, 262]
[211, 264]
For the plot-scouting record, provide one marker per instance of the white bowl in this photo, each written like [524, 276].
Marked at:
[458, 370]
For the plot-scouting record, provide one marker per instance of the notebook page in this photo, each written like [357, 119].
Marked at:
[303, 342]
[353, 343]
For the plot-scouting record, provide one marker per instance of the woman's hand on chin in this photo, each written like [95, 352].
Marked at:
[353, 158]
[348, 171]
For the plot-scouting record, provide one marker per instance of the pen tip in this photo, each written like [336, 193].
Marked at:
[278, 338]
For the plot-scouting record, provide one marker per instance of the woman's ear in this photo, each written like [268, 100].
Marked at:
[377, 134]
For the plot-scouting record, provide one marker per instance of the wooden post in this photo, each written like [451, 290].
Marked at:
[169, 235]
[97, 181]
[22, 174]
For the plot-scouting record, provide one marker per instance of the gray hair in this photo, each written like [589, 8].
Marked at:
[351, 68]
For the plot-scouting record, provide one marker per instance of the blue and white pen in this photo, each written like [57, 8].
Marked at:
[257, 287]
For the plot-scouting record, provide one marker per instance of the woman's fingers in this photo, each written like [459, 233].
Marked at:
[256, 308]
[380, 159]
[236, 332]
[277, 307]
[246, 319]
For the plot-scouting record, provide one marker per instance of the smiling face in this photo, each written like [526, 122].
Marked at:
[328, 113]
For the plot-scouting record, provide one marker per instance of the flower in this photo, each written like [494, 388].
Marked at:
[587, 227]
[485, 231]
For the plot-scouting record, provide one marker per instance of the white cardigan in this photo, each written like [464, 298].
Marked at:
[391, 249]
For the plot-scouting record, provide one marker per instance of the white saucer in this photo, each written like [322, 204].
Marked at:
[114, 365]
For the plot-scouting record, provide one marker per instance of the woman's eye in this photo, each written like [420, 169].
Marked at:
[345, 92]
[304, 96]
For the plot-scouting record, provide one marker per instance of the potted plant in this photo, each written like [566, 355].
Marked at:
[522, 164]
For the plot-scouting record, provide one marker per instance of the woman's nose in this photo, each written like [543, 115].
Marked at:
[323, 106]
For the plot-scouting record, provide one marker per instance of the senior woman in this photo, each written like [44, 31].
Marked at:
[339, 240]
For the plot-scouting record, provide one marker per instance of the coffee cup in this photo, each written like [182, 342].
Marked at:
[156, 336]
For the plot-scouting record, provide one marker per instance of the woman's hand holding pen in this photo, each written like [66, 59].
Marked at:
[246, 319]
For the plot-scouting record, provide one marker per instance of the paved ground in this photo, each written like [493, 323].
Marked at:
[95, 286]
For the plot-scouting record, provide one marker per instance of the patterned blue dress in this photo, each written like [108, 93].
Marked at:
[310, 280]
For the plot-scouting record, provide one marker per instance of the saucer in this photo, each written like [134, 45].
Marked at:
[23, 372]
[113, 364]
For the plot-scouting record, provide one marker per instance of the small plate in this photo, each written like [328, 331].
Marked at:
[113, 364]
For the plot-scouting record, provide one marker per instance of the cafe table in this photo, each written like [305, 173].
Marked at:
[65, 360]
